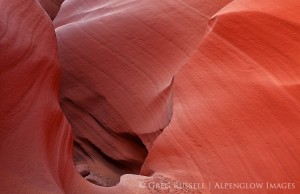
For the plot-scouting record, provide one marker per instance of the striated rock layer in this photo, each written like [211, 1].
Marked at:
[35, 138]
[118, 61]
[231, 114]
[236, 103]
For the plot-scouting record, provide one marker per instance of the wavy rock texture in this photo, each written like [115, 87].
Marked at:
[118, 62]
[236, 102]
[35, 139]
[232, 111]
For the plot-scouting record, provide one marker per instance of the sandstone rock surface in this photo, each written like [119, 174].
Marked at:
[156, 92]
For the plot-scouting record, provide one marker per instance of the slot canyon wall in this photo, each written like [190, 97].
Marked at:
[129, 96]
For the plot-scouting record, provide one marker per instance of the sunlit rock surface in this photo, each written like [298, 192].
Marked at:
[236, 103]
[230, 115]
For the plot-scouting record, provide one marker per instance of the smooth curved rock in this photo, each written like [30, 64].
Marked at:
[236, 104]
[118, 62]
[35, 138]
[236, 101]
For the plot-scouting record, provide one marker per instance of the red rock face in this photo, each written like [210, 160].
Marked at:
[231, 115]
[36, 139]
[236, 104]
[117, 90]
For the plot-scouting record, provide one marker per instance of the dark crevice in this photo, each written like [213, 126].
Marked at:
[96, 161]
[89, 157]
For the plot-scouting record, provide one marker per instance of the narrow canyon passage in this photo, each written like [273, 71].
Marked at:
[117, 78]
[149, 96]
